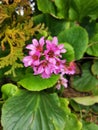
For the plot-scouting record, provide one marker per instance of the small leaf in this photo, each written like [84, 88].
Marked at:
[37, 83]
[77, 37]
[8, 90]
[37, 111]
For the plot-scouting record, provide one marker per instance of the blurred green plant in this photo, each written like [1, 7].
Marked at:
[33, 103]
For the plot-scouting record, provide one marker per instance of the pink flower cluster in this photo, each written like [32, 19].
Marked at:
[45, 58]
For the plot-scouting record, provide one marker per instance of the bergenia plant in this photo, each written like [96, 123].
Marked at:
[45, 58]
[41, 87]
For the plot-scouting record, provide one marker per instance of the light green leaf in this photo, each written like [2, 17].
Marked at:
[77, 37]
[37, 83]
[37, 111]
[87, 81]
[8, 90]
[87, 101]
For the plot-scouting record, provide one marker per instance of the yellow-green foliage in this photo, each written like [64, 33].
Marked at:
[15, 30]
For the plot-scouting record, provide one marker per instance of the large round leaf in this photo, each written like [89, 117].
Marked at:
[87, 81]
[37, 83]
[77, 37]
[37, 111]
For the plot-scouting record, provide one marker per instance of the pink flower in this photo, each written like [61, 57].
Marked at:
[45, 69]
[36, 46]
[59, 66]
[70, 69]
[53, 50]
[31, 60]
[61, 82]
[45, 57]
[54, 43]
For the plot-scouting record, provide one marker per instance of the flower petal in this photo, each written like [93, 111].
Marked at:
[42, 41]
[55, 40]
[35, 42]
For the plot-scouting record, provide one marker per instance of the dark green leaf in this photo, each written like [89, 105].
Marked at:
[95, 108]
[55, 26]
[83, 8]
[37, 111]
[87, 81]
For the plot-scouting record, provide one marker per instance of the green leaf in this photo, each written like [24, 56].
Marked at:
[87, 81]
[87, 101]
[77, 107]
[94, 68]
[95, 108]
[8, 90]
[77, 37]
[93, 46]
[37, 111]
[70, 118]
[58, 8]
[37, 83]
[55, 26]
[62, 8]
[70, 54]
[46, 7]
[83, 8]
[89, 126]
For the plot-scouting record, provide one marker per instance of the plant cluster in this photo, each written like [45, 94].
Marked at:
[49, 64]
